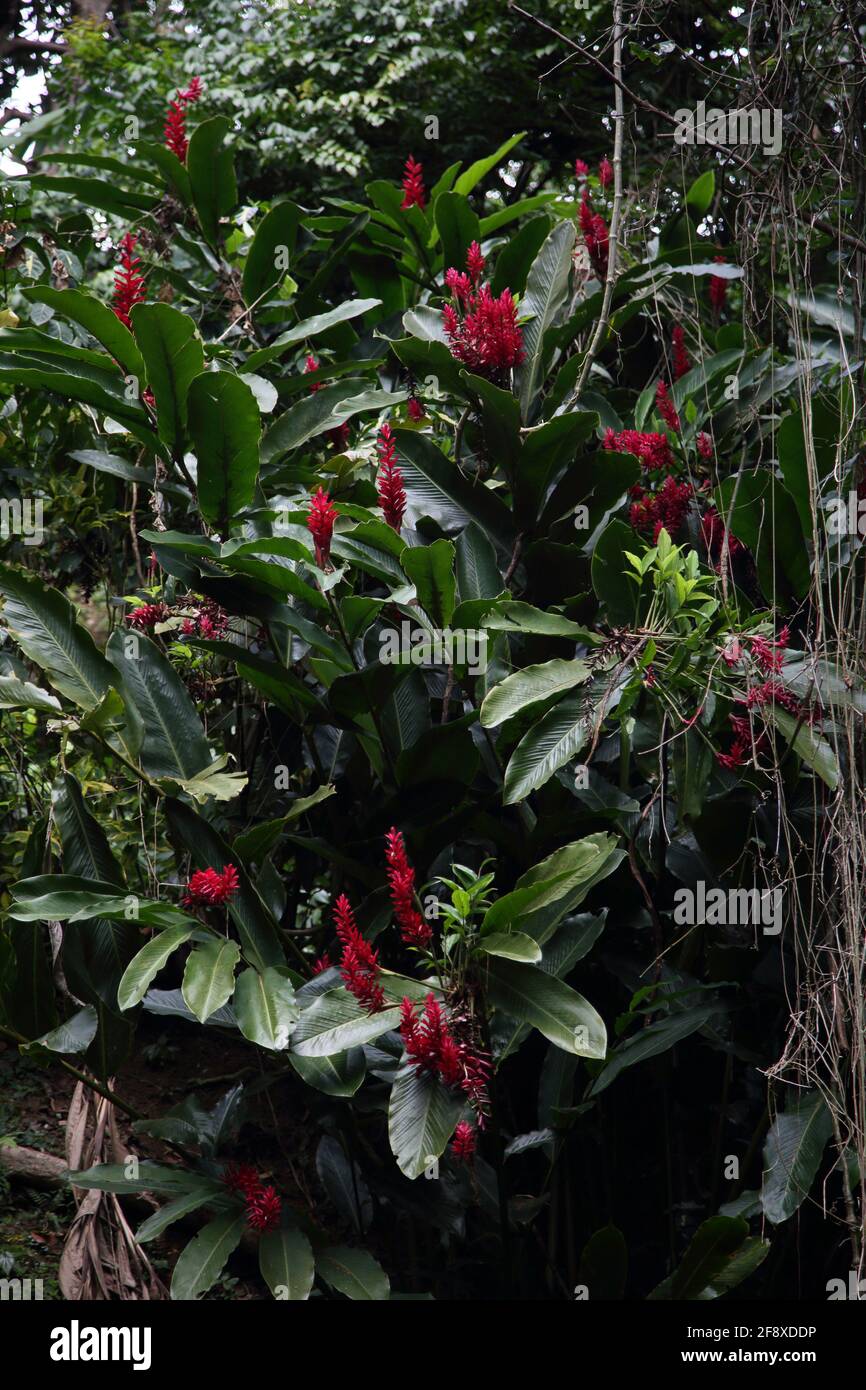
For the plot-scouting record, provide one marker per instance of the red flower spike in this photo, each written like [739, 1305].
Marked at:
[401, 877]
[475, 263]
[147, 616]
[705, 445]
[320, 524]
[431, 1046]
[665, 408]
[359, 966]
[392, 494]
[175, 121]
[682, 361]
[263, 1209]
[311, 364]
[128, 281]
[653, 450]
[414, 193]
[605, 172]
[718, 289]
[581, 169]
[209, 888]
[415, 409]
[322, 964]
[595, 235]
[241, 1178]
[463, 1143]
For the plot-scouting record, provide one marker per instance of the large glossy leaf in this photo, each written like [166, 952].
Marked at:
[529, 686]
[287, 1264]
[708, 1256]
[173, 741]
[173, 357]
[558, 737]
[70, 1037]
[792, 1155]
[353, 1272]
[431, 570]
[146, 965]
[338, 1075]
[44, 624]
[199, 1196]
[437, 489]
[225, 425]
[457, 225]
[211, 175]
[482, 167]
[18, 694]
[815, 750]
[308, 418]
[209, 977]
[310, 328]
[67, 898]
[200, 1263]
[98, 319]
[335, 1021]
[422, 1115]
[149, 1177]
[544, 300]
[265, 1007]
[271, 250]
[651, 1041]
[563, 1016]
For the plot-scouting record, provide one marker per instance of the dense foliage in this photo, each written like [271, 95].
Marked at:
[419, 617]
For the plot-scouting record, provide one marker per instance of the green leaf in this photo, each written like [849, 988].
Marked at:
[701, 194]
[265, 1007]
[335, 1022]
[510, 615]
[209, 977]
[75, 1035]
[339, 1075]
[323, 410]
[149, 1177]
[287, 1264]
[422, 1115]
[431, 570]
[173, 172]
[651, 1041]
[225, 425]
[173, 741]
[511, 946]
[437, 489]
[18, 694]
[604, 1265]
[97, 193]
[458, 227]
[545, 299]
[310, 328]
[276, 232]
[562, 1015]
[477, 171]
[200, 1263]
[173, 357]
[44, 625]
[146, 965]
[211, 175]
[792, 1155]
[353, 1272]
[197, 1197]
[815, 751]
[708, 1255]
[99, 321]
[557, 738]
[529, 686]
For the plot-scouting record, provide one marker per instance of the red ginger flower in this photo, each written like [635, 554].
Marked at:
[175, 121]
[653, 450]
[475, 263]
[392, 494]
[463, 1143]
[359, 966]
[581, 169]
[147, 616]
[605, 172]
[241, 1178]
[713, 531]
[705, 445]
[322, 964]
[665, 408]
[415, 409]
[774, 693]
[595, 235]
[401, 877]
[208, 888]
[682, 361]
[263, 1209]
[128, 281]
[414, 193]
[430, 1044]
[666, 508]
[320, 524]
[311, 364]
[718, 289]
